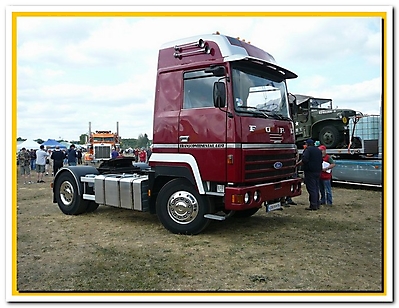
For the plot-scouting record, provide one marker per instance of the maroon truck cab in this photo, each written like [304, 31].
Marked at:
[223, 142]
[222, 125]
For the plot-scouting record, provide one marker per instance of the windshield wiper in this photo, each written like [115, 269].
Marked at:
[275, 115]
[257, 111]
[247, 107]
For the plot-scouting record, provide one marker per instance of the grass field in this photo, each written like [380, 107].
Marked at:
[335, 249]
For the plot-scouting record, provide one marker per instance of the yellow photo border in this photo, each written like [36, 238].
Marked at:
[173, 14]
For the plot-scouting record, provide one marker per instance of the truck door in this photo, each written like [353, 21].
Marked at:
[202, 127]
[303, 120]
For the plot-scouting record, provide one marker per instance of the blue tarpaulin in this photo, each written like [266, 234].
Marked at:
[52, 143]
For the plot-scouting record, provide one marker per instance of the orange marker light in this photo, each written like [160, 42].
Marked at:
[237, 199]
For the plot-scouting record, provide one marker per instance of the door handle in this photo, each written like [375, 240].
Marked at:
[184, 138]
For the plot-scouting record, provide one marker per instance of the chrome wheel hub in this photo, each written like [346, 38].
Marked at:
[182, 207]
[66, 193]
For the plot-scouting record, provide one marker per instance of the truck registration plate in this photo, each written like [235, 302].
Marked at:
[273, 206]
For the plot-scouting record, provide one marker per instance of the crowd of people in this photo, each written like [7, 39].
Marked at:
[48, 162]
[141, 155]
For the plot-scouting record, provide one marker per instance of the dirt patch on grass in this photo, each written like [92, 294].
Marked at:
[337, 248]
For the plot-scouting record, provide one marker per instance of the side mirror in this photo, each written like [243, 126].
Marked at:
[292, 104]
[219, 94]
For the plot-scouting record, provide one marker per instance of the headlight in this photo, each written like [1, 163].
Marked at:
[256, 196]
[247, 197]
[345, 120]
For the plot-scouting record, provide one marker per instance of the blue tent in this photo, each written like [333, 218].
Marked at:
[52, 143]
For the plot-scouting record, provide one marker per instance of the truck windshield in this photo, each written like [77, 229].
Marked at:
[255, 92]
[319, 103]
[103, 139]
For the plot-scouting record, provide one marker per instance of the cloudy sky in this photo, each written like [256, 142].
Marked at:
[102, 69]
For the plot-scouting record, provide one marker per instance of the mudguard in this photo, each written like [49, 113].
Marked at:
[77, 172]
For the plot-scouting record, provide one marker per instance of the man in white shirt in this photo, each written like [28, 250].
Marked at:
[41, 156]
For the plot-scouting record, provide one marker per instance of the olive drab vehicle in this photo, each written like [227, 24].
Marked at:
[315, 118]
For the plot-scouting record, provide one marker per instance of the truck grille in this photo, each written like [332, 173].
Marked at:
[102, 152]
[265, 167]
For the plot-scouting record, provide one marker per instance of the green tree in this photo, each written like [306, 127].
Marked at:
[129, 143]
[83, 138]
[142, 141]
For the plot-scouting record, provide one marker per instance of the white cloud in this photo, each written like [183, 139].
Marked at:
[103, 70]
[50, 73]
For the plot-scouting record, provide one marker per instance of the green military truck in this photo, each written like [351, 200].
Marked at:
[315, 118]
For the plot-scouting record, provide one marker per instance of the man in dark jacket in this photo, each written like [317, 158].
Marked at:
[312, 161]
[72, 156]
[58, 159]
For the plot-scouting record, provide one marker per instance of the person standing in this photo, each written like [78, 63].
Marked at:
[41, 156]
[143, 156]
[326, 177]
[136, 155]
[72, 156]
[65, 162]
[312, 162]
[32, 159]
[24, 163]
[48, 162]
[114, 153]
[80, 155]
[58, 159]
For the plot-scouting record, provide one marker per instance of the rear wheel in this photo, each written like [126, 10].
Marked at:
[91, 207]
[67, 197]
[181, 209]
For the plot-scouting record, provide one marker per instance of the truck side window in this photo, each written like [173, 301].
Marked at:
[198, 90]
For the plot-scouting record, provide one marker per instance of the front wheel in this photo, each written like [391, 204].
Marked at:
[181, 209]
[329, 136]
[67, 197]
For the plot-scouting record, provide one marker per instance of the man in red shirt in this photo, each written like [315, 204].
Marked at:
[143, 156]
[325, 177]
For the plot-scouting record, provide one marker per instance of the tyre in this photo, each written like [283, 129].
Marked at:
[91, 207]
[329, 136]
[67, 197]
[181, 209]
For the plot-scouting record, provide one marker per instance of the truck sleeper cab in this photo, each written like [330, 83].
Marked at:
[223, 140]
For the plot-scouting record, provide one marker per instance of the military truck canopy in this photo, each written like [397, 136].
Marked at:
[314, 101]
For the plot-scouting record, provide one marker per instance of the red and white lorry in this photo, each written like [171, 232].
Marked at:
[223, 141]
